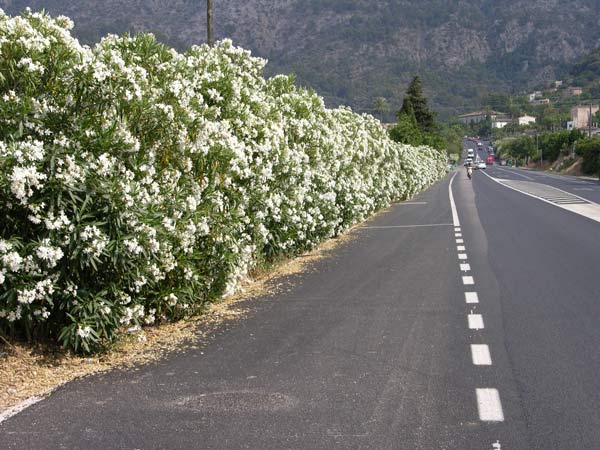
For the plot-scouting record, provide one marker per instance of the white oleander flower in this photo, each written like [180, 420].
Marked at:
[84, 332]
[48, 253]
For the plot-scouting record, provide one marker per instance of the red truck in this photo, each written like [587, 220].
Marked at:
[489, 160]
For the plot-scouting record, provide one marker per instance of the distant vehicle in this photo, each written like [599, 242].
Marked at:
[470, 153]
[490, 159]
[481, 165]
[480, 144]
[468, 161]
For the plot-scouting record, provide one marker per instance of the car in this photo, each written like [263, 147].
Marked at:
[468, 161]
[481, 165]
[480, 144]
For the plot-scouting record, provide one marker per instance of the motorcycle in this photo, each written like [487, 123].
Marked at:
[469, 172]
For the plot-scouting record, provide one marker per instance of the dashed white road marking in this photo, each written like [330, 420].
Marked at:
[471, 297]
[488, 400]
[489, 405]
[476, 322]
[480, 353]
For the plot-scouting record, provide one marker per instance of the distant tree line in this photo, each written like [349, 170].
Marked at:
[551, 146]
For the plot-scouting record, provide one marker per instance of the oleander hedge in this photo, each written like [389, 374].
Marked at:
[138, 184]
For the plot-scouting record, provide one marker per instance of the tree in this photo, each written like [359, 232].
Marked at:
[596, 118]
[485, 127]
[415, 100]
[381, 106]
[416, 123]
[407, 130]
[589, 149]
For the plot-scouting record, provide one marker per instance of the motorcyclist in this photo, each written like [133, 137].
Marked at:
[469, 170]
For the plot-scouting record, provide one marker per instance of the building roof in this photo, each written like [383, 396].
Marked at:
[586, 107]
[480, 113]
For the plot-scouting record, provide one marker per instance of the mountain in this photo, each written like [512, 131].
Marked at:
[352, 51]
[586, 73]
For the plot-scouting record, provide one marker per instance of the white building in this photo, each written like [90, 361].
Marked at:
[541, 101]
[534, 95]
[580, 116]
[501, 122]
[478, 116]
[526, 120]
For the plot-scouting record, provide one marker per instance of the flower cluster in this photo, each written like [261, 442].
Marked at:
[138, 183]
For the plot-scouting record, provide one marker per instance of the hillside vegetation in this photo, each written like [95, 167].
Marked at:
[352, 51]
[137, 183]
[586, 73]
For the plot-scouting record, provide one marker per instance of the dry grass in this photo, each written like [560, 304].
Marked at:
[27, 371]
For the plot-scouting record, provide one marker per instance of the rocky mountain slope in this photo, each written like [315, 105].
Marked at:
[352, 51]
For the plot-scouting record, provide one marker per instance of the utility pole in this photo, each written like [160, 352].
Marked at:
[537, 148]
[209, 22]
[590, 122]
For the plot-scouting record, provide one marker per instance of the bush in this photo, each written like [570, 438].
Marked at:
[589, 149]
[137, 183]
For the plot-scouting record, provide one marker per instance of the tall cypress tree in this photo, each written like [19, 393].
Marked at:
[407, 130]
[424, 116]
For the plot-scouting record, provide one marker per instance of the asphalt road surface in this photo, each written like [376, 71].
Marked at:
[431, 329]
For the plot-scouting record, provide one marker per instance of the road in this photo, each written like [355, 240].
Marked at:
[433, 328]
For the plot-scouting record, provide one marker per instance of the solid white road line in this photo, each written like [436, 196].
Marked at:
[460, 248]
[407, 226]
[489, 405]
[471, 297]
[468, 280]
[452, 204]
[590, 209]
[465, 267]
[480, 353]
[476, 322]
[462, 256]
